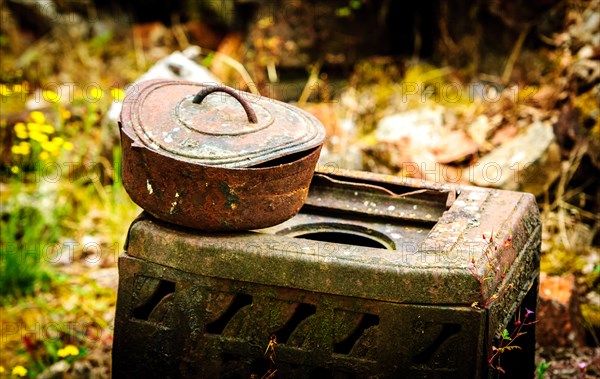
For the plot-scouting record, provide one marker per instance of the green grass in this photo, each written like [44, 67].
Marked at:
[25, 233]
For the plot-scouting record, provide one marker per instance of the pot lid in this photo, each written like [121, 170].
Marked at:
[215, 125]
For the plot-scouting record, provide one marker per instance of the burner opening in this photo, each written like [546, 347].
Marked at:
[344, 238]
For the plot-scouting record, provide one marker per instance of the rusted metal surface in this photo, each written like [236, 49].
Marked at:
[197, 304]
[214, 158]
[375, 199]
[200, 96]
[215, 125]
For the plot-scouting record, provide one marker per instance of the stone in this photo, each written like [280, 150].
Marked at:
[420, 144]
[58, 369]
[560, 321]
[480, 129]
[530, 162]
[424, 131]
[418, 126]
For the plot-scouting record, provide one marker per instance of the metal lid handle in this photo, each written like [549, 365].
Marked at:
[233, 93]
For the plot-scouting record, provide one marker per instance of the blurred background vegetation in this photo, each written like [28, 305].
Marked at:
[352, 63]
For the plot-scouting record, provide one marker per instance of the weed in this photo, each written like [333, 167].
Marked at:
[50, 187]
[490, 277]
[48, 356]
[30, 217]
[507, 342]
[494, 271]
[541, 369]
[22, 227]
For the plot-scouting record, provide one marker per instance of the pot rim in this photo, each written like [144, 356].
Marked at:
[146, 118]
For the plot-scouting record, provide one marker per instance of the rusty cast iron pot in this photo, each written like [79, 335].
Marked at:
[216, 159]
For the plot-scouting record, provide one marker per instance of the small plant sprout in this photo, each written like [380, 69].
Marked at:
[495, 266]
[542, 368]
[507, 340]
[491, 272]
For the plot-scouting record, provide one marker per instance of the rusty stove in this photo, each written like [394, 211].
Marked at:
[376, 277]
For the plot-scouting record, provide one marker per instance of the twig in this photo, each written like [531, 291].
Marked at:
[418, 41]
[237, 66]
[179, 34]
[582, 212]
[565, 177]
[562, 229]
[140, 59]
[578, 190]
[516, 51]
[443, 25]
[312, 80]
[272, 72]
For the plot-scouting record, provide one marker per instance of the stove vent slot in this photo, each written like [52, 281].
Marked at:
[345, 346]
[218, 326]
[303, 311]
[426, 355]
[163, 290]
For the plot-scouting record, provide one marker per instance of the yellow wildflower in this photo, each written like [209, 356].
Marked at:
[33, 127]
[51, 96]
[58, 141]
[21, 130]
[14, 170]
[65, 114]
[117, 94]
[37, 117]
[38, 136]
[19, 371]
[43, 156]
[49, 146]
[68, 146]
[20, 127]
[21, 149]
[2, 370]
[4, 90]
[68, 350]
[96, 93]
[48, 129]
